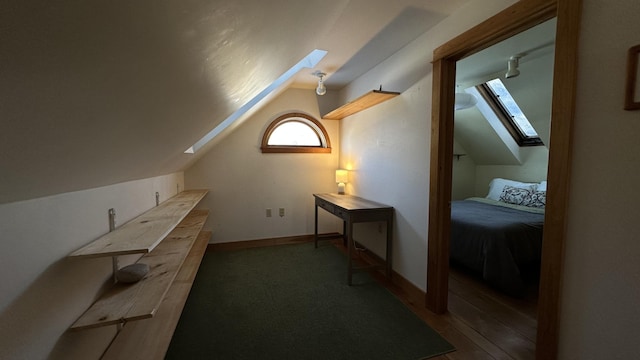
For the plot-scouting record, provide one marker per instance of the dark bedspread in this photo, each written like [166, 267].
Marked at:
[496, 241]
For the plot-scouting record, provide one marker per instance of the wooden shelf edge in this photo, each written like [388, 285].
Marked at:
[365, 101]
[131, 302]
[150, 339]
[143, 233]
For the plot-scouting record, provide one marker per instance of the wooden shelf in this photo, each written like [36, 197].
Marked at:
[129, 302]
[150, 339]
[144, 233]
[365, 101]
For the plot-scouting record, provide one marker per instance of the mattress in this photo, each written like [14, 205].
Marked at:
[497, 240]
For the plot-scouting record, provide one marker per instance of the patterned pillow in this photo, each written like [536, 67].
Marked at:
[496, 186]
[524, 197]
[538, 199]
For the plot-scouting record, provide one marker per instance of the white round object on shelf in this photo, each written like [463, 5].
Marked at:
[132, 273]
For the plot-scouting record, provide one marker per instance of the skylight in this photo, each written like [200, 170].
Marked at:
[309, 61]
[505, 106]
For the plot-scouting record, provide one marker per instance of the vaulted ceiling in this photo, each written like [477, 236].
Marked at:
[531, 89]
[99, 92]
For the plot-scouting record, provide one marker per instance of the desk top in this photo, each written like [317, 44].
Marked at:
[350, 202]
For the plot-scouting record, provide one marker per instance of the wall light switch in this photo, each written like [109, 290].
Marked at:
[268, 212]
[281, 212]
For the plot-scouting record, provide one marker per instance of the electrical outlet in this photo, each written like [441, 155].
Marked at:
[281, 212]
[268, 212]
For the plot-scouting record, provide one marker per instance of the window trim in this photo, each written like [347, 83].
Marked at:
[315, 125]
[505, 117]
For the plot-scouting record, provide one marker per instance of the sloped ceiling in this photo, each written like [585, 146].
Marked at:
[99, 92]
[531, 89]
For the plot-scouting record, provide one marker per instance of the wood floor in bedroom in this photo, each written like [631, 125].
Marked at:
[482, 323]
[497, 326]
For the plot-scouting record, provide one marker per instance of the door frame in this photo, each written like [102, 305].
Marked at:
[519, 17]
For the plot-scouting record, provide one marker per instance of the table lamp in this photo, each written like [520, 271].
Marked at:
[342, 177]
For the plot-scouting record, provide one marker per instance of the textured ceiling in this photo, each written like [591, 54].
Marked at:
[531, 44]
[99, 92]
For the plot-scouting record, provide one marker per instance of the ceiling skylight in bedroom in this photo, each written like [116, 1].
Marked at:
[506, 108]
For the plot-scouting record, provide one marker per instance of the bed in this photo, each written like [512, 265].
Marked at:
[499, 237]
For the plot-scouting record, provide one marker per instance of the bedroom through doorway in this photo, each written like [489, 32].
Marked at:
[513, 20]
[497, 187]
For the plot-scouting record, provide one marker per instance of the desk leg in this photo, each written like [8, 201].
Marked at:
[349, 251]
[315, 233]
[344, 233]
[389, 246]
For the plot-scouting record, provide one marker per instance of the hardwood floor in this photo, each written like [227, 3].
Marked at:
[504, 326]
[482, 323]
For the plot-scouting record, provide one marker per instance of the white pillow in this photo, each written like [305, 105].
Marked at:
[542, 186]
[497, 185]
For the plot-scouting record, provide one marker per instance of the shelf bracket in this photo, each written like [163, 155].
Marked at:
[114, 259]
[457, 156]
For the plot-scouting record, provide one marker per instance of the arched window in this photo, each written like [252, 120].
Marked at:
[295, 133]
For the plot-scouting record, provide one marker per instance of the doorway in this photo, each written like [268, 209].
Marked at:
[513, 20]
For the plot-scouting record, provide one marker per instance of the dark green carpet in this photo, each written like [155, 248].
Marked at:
[292, 302]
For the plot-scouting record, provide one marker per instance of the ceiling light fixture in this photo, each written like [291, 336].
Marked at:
[320, 89]
[512, 66]
[464, 100]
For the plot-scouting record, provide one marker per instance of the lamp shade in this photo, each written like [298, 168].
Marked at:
[342, 176]
[464, 100]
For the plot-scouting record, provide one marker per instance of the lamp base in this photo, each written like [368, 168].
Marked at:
[341, 188]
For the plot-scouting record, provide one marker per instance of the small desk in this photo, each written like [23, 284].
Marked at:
[352, 209]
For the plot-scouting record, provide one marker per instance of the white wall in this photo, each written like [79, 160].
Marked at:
[388, 145]
[600, 316]
[532, 89]
[533, 169]
[42, 291]
[243, 181]
[387, 149]
[463, 179]
[470, 179]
